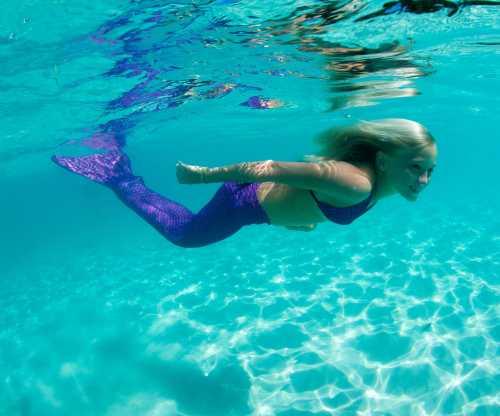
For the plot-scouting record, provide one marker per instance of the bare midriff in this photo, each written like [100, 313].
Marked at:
[288, 206]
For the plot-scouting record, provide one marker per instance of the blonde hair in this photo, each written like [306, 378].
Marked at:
[361, 141]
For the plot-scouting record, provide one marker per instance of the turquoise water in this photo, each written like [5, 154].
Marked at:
[396, 314]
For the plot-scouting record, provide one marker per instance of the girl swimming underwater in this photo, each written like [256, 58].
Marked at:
[357, 166]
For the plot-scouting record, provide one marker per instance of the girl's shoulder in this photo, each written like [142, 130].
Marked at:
[357, 178]
[366, 170]
[362, 173]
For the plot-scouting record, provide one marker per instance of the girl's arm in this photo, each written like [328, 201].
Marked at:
[329, 177]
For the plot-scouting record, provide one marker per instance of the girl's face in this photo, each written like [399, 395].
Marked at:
[411, 171]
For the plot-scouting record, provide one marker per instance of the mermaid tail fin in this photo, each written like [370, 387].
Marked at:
[104, 168]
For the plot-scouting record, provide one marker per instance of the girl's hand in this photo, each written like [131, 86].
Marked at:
[308, 227]
[190, 174]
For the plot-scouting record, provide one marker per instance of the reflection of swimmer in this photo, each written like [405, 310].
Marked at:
[387, 60]
[346, 64]
[358, 165]
[424, 6]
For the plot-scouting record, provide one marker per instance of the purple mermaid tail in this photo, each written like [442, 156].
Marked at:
[232, 207]
[105, 168]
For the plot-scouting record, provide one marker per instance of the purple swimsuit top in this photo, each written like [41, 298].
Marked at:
[344, 215]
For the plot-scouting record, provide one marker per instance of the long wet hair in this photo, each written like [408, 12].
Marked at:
[360, 142]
